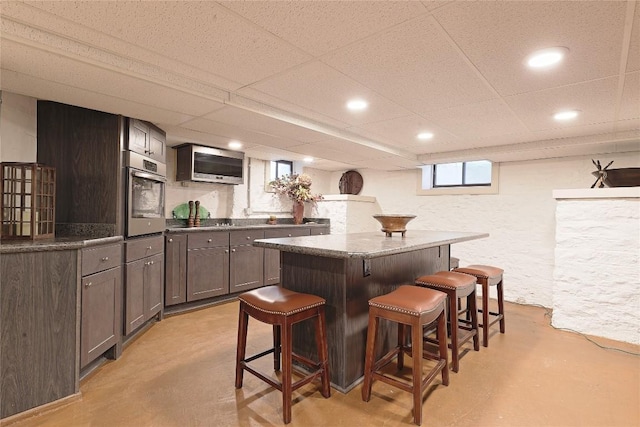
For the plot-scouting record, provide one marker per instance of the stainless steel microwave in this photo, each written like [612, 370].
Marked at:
[207, 164]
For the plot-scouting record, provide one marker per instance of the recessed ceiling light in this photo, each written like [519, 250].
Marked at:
[562, 116]
[235, 145]
[546, 57]
[424, 136]
[357, 105]
[308, 159]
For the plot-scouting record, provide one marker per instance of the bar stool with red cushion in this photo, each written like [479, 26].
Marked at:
[282, 308]
[414, 307]
[456, 285]
[488, 276]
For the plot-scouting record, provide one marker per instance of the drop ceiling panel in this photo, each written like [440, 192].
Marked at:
[490, 118]
[62, 70]
[633, 60]
[630, 101]
[352, 151]
[239, 133]
[497, 37]
[595, 99]
[320, 27]
[264, 124]
[390, 163]
[413, 64]
[318, 87]
[201, 33]
[48, 90]
[402, 132]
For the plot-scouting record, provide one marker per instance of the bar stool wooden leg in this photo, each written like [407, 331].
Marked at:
[323, 353]
[370, 353]
[287, 344]
[277, 347]
[442, 345]
[485, 314]
[243, 321]
[416, 356]
[501, 306]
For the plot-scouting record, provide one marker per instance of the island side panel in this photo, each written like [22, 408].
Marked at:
[324, 277]
[38, 347]
[386, 274]
[341, 281]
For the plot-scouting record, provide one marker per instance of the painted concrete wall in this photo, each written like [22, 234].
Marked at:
[597, 271]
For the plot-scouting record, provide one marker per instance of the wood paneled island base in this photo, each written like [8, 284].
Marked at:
[348, 270]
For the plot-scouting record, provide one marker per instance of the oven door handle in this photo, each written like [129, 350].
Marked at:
[148, 176]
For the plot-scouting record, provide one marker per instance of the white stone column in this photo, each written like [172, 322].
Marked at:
[596, 287]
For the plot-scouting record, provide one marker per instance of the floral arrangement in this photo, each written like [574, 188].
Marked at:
[297, 187]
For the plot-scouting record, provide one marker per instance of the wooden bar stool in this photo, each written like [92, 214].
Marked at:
[282, 308]
[488, 276]
[415, 307]
[456, 285]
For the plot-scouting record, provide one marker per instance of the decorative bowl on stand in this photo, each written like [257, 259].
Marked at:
[394, 223]
[622, 177]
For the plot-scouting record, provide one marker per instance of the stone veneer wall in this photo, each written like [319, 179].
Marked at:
[596, 287]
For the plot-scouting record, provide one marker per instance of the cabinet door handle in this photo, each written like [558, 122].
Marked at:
[170, 240]
[86, 285]
[105, 258]
[226, 251]
[149, 248]
[233, 250]
[289, 235]
[148, 151]
[248, 237]
[151, 262]
[209, 240]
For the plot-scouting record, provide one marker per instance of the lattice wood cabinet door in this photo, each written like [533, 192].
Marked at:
[27, 207]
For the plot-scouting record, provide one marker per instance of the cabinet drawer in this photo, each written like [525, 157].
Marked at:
[208, 240]
[100, 258]
[245, 237]
[136, 249]
[318, 231]
[287, 232]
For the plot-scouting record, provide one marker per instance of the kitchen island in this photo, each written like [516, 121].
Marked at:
[348, 270]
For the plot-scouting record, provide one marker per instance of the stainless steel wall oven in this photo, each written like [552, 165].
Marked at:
[146, 181]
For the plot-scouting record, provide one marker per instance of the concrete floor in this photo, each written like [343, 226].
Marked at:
[181, 373]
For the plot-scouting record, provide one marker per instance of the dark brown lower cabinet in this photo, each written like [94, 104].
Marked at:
[246, 262]
[175, 252]
[101, 302]
[144, 281]
[207, 272]
[101, 314]
[204, 264]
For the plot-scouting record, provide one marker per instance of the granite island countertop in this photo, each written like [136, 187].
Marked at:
[366, 245]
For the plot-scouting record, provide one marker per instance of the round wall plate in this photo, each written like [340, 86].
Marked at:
[350, 182]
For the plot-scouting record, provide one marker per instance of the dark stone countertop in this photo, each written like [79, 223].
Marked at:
[366, 245]
[55, 244]
[183, 229]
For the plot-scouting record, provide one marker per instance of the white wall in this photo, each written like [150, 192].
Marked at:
[520, 218]
[18, 128]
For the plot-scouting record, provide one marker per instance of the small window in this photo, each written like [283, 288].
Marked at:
[280, 168]
[462, 174]
[473, 177]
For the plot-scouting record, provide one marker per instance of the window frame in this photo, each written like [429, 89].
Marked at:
[493, 188]
[463, 176]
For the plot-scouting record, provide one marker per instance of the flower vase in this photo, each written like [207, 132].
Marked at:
[298, 212]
